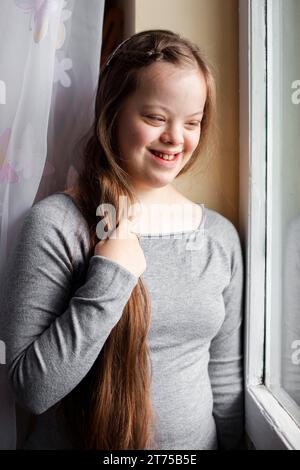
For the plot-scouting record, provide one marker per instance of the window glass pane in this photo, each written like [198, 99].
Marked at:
[283, 210]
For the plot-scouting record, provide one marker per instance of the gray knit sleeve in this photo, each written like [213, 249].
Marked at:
[226, 354]
[53, 334]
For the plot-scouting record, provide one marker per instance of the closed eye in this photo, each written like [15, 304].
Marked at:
[196, 123]
[157, 118]
[160, 119]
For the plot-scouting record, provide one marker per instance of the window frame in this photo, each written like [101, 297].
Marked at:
[268, 424]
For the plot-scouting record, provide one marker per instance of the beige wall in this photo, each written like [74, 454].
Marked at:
[213, 25]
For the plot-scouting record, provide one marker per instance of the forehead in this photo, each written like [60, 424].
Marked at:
[171, 84]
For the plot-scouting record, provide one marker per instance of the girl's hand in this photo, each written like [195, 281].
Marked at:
[123, 247]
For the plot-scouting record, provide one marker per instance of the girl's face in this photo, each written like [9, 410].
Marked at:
[164, 114]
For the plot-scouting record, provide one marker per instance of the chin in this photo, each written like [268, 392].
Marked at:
[161, 184]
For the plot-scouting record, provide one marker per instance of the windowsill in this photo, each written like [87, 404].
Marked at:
[264, 411]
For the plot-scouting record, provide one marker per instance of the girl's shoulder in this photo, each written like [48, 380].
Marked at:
[221, 229]
[59, 207]
[216, 225]
[56, 220]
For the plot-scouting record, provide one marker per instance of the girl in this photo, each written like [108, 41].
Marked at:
[132, 341]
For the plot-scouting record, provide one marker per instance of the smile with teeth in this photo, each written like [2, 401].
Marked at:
[164, 156]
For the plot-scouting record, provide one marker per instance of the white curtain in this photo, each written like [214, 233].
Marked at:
[49, 66]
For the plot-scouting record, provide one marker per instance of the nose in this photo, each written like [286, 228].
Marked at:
[172, 135]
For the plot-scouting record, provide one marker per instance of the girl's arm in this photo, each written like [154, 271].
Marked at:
[53, 337]
[226, 360]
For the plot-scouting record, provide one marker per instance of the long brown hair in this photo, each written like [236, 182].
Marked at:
[111, 407]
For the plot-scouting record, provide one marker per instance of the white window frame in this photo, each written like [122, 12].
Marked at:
[268, 425]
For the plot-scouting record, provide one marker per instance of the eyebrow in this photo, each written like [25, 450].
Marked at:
[166, 109]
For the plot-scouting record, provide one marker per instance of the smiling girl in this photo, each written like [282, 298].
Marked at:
[132, 342]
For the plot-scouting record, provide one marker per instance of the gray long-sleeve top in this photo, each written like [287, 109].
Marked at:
[60, 307]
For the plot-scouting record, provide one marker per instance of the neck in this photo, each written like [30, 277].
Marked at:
[164, 195]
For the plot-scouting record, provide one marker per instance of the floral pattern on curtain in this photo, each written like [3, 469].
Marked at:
[49, 66]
